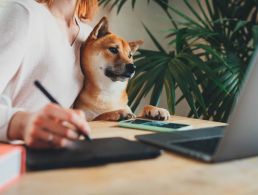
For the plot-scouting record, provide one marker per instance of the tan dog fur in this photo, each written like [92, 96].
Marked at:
[103, 97]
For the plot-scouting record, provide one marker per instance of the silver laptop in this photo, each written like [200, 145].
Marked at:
[237, 140]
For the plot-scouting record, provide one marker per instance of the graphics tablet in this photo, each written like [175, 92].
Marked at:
[85, 153]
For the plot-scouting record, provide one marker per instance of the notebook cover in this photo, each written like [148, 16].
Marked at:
[6, 152]
[85, 153]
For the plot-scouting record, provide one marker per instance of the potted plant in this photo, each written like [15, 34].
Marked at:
[211, 53]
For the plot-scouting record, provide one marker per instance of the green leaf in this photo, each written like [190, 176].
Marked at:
[133, 3]
[181, 80]
[204, 13]
[157, 44]
[115, 3]
[122, 2]
[194, 12]
[170, 92]
[146, 88]
[239, 25]
[215, 54]
[255, 35]
[162, 3]
[184, 16]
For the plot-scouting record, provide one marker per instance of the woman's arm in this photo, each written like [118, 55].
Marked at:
[14, 33]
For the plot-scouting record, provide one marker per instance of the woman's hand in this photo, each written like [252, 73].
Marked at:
[52, 126]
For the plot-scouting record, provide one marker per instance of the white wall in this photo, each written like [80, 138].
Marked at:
[128, 25]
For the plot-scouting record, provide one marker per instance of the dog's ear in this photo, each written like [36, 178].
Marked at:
[134, 45]
[101, 29]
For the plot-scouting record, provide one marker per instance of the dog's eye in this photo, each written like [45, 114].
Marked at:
[113, 50]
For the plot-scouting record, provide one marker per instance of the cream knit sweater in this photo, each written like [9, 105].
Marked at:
[32, 46]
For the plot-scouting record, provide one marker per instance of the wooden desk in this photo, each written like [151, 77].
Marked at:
[167, 174]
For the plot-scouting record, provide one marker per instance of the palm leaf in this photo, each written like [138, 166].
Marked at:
[157, 44]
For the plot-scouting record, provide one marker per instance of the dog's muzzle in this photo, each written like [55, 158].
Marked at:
[128, 72]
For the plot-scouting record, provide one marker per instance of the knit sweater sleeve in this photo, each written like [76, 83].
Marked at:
[14, 34]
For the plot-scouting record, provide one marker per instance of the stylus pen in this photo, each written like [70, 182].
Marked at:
[53, 100]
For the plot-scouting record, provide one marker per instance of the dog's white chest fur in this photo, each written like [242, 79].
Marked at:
[109, 99]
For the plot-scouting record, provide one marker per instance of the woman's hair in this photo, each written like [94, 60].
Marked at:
[86, 9]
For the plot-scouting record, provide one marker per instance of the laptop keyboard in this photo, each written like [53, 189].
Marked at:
[207, 146]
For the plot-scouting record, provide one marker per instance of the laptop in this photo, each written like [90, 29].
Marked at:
[237, 140]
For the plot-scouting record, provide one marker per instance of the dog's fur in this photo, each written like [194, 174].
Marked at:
[107, 65]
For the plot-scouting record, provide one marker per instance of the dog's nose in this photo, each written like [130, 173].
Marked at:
[130, 68]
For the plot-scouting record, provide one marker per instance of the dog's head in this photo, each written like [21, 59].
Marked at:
[104, 54]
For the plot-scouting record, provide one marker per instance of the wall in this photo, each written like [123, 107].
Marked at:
[128, 24]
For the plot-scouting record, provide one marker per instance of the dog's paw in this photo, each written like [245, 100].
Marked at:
[116, 115]
[124, 114]
[156, 113]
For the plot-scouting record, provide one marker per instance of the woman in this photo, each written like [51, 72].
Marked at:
[40, 40]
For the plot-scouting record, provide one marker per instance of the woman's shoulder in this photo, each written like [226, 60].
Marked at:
[30, 7]
[14, 15]
[27, 13]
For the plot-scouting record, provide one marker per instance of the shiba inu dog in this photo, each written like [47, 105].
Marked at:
[107, 65]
